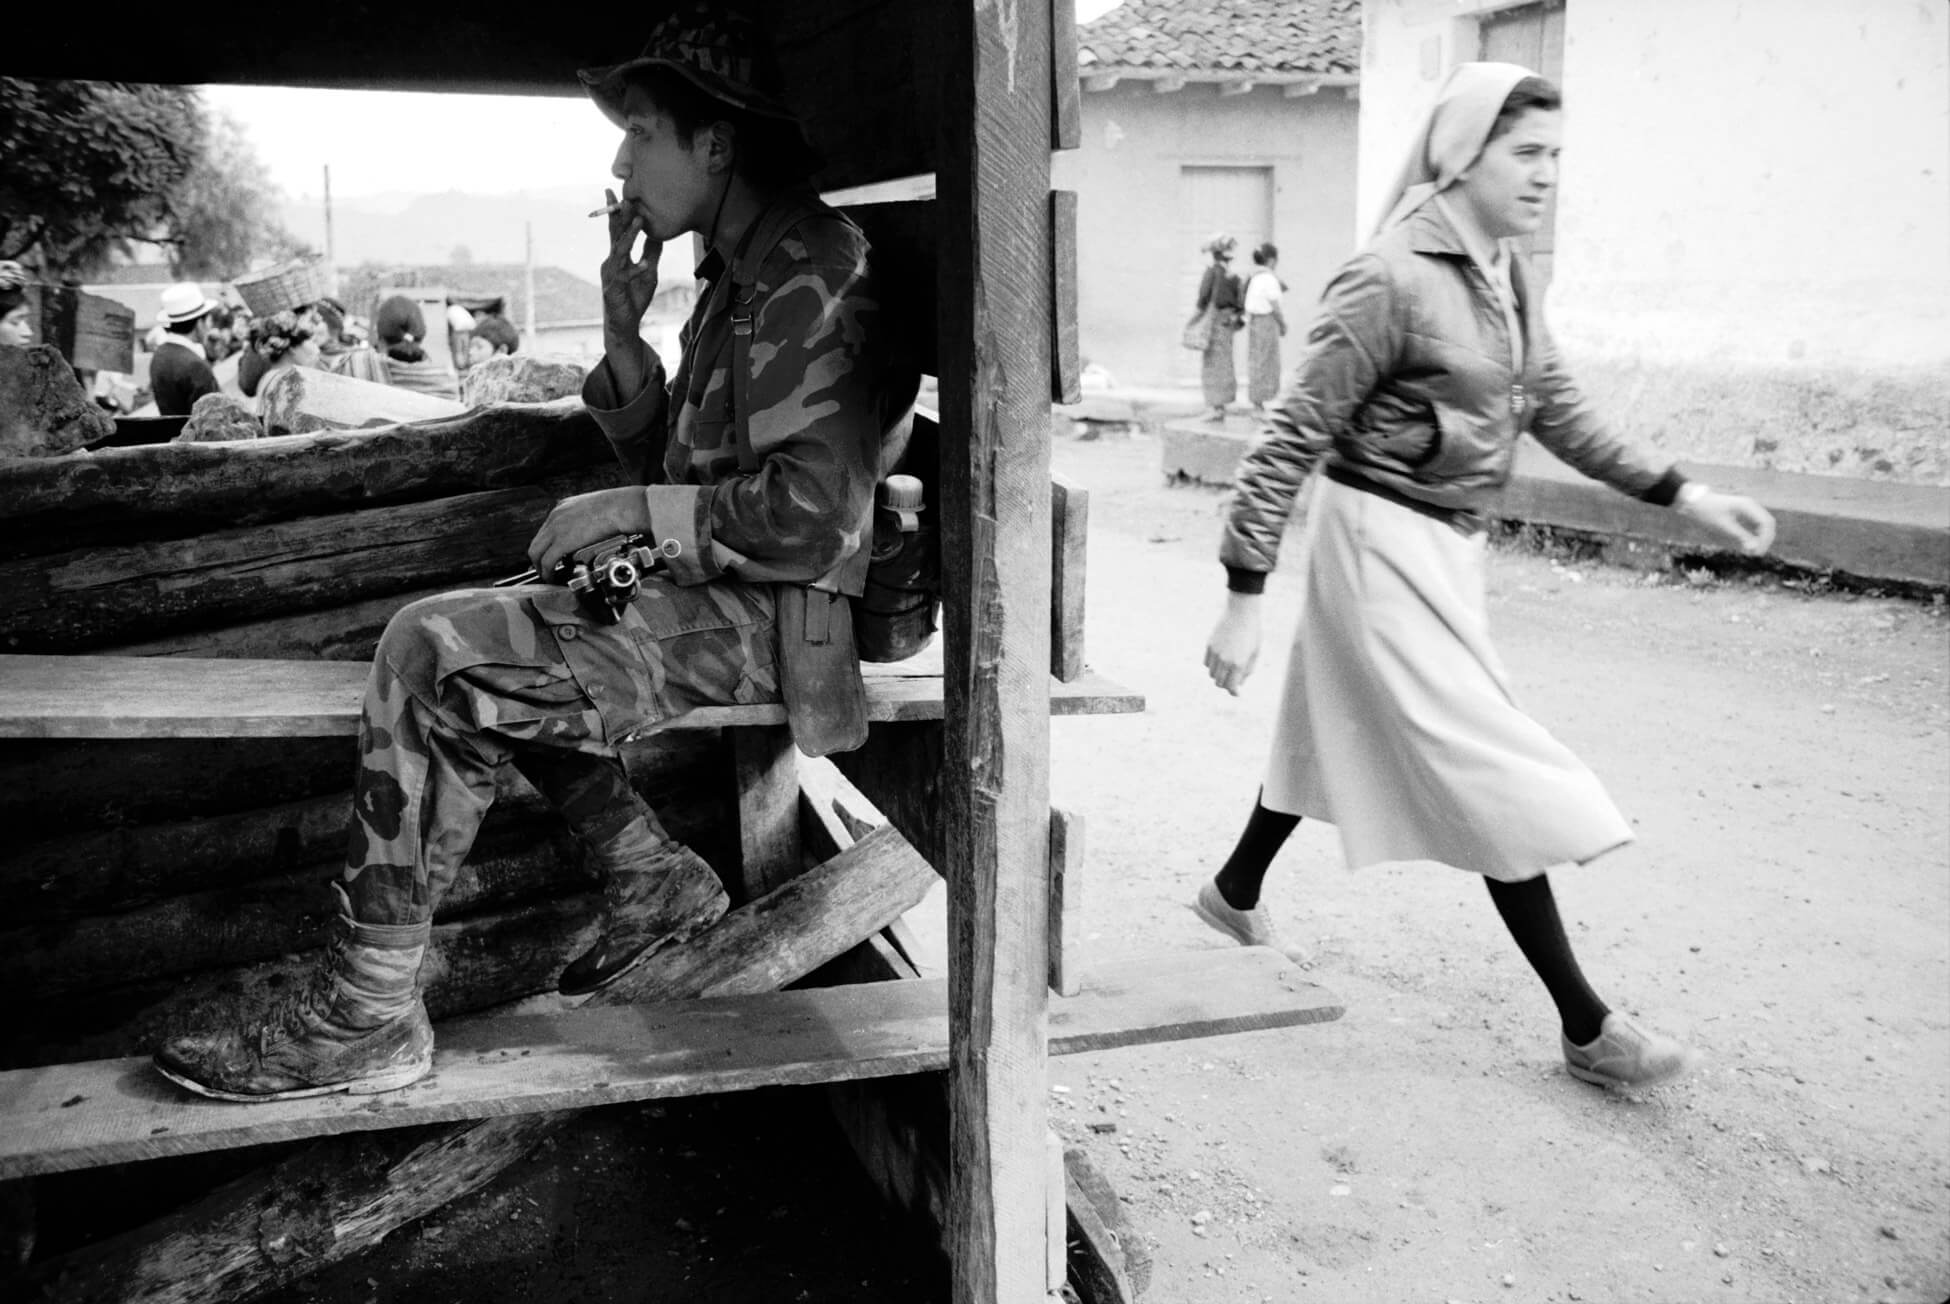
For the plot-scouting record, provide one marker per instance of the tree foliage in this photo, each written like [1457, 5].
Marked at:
[86, 167]
[224, 213]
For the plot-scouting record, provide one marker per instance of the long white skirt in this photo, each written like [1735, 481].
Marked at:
[1398, 725]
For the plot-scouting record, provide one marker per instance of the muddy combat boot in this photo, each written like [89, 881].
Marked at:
[357, 1025]
[655, 892]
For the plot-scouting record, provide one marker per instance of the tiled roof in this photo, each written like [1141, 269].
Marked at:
[561, 297]
[1198, 38]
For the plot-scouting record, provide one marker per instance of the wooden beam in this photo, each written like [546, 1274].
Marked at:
[71, 1116]
[1069, 555]
[1229, 89]
[1297, 90]
[89, 598]
[1066, 99]
[1066, 357]
[994, 179]
[72, 697]
[1167, 85]
[1100, 81]
[121, 495]
[249, 1236]
[766, 768]
[1065, 901]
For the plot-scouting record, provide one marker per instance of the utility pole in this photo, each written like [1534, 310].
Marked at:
[330, 254]
[528, 286]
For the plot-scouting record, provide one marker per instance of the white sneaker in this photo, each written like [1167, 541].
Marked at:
[1628, 1057]
[1247, 927]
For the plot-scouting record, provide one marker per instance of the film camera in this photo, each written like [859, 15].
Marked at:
[606, 574]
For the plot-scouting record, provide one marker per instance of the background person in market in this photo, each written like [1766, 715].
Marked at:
[179, 373]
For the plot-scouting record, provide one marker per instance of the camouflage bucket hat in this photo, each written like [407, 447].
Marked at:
[720, 52]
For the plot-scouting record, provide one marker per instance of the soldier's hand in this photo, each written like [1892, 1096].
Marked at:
[585, 519]
[629, 283]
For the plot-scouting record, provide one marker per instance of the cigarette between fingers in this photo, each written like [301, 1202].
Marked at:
[607, 209]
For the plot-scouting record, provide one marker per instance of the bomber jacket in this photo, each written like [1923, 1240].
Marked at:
[1409, 383]
[824, 391]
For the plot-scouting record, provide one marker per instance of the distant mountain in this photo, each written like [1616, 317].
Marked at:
[424, 229]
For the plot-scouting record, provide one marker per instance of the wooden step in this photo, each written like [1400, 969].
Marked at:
[72, 1116]
[209, 697]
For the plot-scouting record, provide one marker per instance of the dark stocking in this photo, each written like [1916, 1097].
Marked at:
[1529, 911]
[1240, 877]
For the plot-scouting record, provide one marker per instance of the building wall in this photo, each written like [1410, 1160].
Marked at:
[1754, 215]
[1137, 269]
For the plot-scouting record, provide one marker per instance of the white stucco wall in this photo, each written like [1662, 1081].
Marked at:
[1753, 230]
[1136, 269]
[1768, 181]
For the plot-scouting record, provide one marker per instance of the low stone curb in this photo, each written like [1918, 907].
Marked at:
[1869, 529]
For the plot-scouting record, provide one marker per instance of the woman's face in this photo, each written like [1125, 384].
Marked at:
[1510, 182]
[478, 351]
[17, 328]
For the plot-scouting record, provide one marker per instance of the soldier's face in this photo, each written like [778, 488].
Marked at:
[669, 183]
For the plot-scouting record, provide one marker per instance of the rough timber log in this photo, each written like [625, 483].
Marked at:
[473, 964]
[98, 597]
[166, 491]
[242, 923]
[344, 1195]
[73, 866]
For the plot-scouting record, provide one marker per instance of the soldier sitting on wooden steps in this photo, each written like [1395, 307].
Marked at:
[754, 470]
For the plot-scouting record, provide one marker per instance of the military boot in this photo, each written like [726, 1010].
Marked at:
[655, 892]
[356, 1025]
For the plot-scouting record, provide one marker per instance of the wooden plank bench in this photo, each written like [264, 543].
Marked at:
[111, 1111]
[211, 697]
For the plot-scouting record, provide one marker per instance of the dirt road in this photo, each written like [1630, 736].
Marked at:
[1785, 760]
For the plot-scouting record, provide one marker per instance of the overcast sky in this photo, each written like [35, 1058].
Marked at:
[484, 144]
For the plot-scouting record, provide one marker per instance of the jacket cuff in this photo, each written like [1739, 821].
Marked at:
[1240, 580]
[680, 523]
[621, 418]
[1664, 491]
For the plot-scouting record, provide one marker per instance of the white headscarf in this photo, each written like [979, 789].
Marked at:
[1457, 128]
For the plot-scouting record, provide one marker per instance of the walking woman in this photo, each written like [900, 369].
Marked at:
[1219, 296]
[1428, 357]
[1265, 327]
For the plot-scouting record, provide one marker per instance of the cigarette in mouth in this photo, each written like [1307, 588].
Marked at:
[607, 209]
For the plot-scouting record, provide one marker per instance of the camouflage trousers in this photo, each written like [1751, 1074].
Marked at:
[467, 682]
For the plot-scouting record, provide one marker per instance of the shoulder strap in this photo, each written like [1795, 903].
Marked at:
[756, 247]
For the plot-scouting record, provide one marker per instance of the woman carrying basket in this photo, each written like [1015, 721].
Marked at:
[1427, 359]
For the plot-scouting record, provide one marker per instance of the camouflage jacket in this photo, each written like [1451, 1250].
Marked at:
[823, 393]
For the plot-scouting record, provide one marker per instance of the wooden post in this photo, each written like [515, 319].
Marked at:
[766, 765]
[995, 335]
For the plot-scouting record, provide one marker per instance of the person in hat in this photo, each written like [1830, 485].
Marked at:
[179, 374]
[752, 472]
[1220, 298]
[1429, 355]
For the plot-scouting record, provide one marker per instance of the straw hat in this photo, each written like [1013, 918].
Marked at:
[721, 53]
[181, 302]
